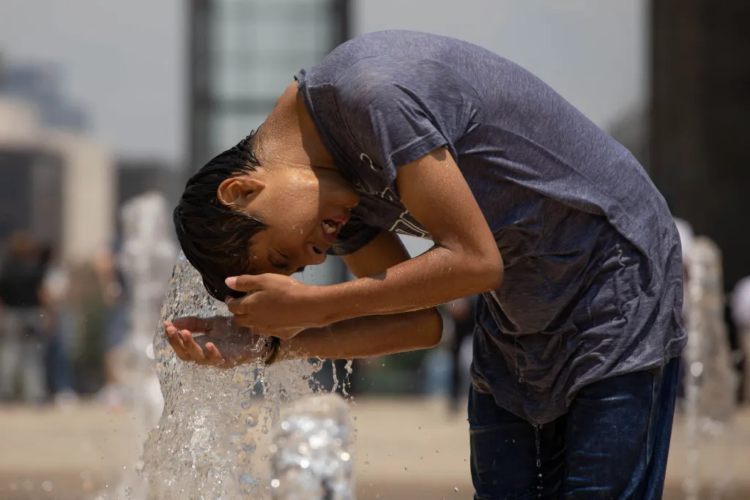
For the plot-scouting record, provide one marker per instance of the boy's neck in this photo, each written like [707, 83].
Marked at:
[289, 134]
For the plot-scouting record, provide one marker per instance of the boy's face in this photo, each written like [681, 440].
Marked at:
[303, 208]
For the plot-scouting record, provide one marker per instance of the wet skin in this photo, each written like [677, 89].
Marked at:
[300, 194]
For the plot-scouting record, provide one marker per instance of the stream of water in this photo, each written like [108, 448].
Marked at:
[212, 440]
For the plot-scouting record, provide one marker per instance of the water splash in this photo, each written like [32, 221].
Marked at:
[212, 438]
[313, 451]
[147, 258]
[710, 383]
[335, 376]
[347, 383]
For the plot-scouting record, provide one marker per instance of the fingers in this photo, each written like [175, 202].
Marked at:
[213, 354]
[195, 351]
[176, 341]
[245, 283]
[187, 348]
[214, 357]
[236, 307]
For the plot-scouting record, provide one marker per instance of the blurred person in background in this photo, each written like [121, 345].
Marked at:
[461, 311]
[60, 324]
[112, 283]
[22, 337]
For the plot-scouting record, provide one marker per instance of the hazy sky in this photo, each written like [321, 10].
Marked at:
[124, 60]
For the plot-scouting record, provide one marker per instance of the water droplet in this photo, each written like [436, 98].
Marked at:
[455, 489]
[47, 486]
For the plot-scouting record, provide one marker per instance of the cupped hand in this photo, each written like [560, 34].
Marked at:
[220, 342]
[275, 305]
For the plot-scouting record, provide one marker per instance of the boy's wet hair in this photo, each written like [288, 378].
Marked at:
[214, 237]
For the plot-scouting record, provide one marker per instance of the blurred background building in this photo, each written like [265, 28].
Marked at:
[56, 182]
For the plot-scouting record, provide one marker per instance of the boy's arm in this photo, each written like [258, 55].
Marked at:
[353, 338]
[371, 335]
[366, 337]
[464, 262]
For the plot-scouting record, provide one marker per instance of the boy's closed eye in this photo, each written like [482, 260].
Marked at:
[281, 261]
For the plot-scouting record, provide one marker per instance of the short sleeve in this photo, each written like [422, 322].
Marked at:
[397, 111]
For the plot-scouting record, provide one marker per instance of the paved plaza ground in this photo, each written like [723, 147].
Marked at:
[406, 449]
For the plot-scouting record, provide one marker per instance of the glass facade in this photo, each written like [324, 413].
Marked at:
[243, 54]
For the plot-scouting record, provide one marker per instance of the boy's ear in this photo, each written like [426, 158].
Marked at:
[239, 191]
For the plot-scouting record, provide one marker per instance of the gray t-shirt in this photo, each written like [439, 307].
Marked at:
[593, 274]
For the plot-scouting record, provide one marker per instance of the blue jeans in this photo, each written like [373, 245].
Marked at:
[612, 444]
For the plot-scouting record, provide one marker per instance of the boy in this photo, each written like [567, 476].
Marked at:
[528, 203]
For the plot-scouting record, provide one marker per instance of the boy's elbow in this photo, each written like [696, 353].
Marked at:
[495, 276]
[489, 272]
[432, 329]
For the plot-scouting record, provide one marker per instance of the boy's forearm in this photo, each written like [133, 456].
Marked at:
[366, 336]
[433, 278]
[465, 261]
